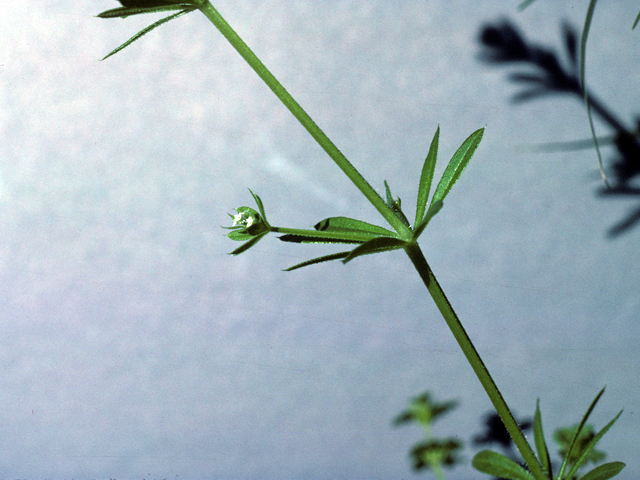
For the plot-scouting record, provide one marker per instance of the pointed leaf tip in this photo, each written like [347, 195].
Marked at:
[457, 164]
[426, 178]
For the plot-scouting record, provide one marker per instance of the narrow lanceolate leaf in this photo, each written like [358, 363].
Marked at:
[457, 164]
[376, 245]
[541, 445]
[148, 29]
[292, 238]
[247, 245]
[578, 431]
[604, 471]
[426, 178]
[259, 204]
[346, 225]
[591, 445]
[123, 12]
[326, 258]
[153, 3]
[496, 464]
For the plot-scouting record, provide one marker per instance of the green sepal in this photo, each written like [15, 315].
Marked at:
[457, 164]
[395, 205]
[587, 450]
[541, 445]
[426, 178]
[347, 225]
[326, 258]
[150, 27]
[434, 208]
[496, 464]
[247, 245]
[376, 245]
[604, 471]
[635, 23]
[289, 237]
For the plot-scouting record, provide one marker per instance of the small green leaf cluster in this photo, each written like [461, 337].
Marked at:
[431, 453]
[577, 446]
[371, 238]
[137, 7]
[249, 226]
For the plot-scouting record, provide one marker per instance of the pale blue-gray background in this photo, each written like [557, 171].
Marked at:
[133, 346]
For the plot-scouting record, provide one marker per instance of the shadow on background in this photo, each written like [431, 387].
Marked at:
[544, 74]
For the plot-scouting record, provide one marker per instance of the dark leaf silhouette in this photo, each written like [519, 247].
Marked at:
[542, 74]
[496, 432]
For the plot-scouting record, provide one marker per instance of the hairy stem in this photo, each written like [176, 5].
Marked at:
[306, 121]
[417, 257]
[413, 250]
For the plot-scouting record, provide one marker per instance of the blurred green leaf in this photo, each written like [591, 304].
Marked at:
[434, 453]
[525, 4]
[424, 410]
[589, 452]
[568, 442]
[604, 472]
[561, 436]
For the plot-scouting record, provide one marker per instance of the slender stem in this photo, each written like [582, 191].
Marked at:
[417, 257]
[413, 250]
[306, 121]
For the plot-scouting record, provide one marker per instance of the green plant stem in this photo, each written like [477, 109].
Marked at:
[306, 121]
[417, 257]
[413, 250]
